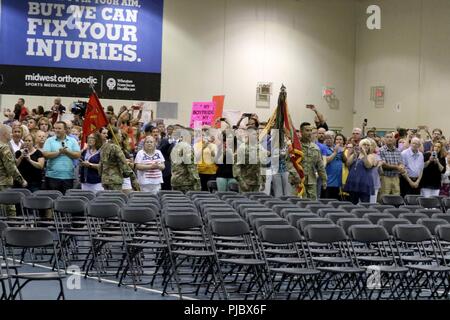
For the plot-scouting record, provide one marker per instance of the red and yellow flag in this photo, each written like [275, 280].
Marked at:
[95, 117]
[282, 121]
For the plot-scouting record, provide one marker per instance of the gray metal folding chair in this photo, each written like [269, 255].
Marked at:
[29, 238]
[290, 269]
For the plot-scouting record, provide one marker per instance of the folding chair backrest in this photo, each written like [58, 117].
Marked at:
[10, 198]
[23, 191]
[37, 202]
[381, 207]
[443, 232]
[140, 194]
[431, 223]
[222, 215]
[70, 206]
[413, 217]
[293, 218]
[297, 201]
[192, 193]
[28, 237]
[446, 203]
[117, 201]
[411, 233]
[389, 224]
[375, 217]
[269, 222]
[393, 200]
[287, 198]
[444, 216]
[262, 198]
[85, 193]
[138, 215]
[182, 221]
[229, 227]
[286, 211]
[212, 185]
[346, 223]
[272, 203]
[350, 207]
[428, 212]
[278, 207]
[169, 192]
[316, 207]
[54, 194]
[411, 199]
[360, 212]
[324, 211]
[411, 208]
[113, 196]
[429, 203]
[103, 210]
[260, 215]
[325, 233]
[335, 216]
[336, 204]
[74, 197]
[326, 200]
[368, 233]
[207, 211]
[279, 234]
[221, 194]
[304, 204]
[396, 211]
[305, 222]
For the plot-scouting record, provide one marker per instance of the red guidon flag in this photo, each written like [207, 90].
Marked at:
[94, 118]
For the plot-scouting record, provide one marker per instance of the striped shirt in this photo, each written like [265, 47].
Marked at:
[153, 176]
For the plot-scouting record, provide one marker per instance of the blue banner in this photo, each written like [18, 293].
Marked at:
[118, 35]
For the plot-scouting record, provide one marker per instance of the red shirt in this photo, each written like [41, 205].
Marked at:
[23, 113]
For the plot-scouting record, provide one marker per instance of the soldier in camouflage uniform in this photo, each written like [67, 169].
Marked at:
[8, 168]
[184, 170]
[247, 165]
[113, 164]
[312, 162]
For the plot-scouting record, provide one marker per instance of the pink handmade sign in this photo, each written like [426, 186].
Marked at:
[202, 113]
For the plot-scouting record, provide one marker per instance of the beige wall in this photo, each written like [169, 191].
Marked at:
[303, 44]
[410, 56]
[226, 46]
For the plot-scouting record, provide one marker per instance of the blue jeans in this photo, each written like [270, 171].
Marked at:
[223, 183]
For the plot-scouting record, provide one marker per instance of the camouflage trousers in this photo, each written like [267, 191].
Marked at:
[117, 187]
[186, 188]
[244, 187]
[310, 191]
[7, 210]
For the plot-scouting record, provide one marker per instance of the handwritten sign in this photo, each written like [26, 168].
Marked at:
[202, 113]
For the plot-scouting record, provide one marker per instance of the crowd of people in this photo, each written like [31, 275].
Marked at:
[40, 151]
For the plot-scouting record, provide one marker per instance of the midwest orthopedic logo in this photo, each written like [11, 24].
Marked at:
[107, 33]
[37, 77]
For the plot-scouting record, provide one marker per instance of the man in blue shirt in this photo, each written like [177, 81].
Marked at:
[60, 151]
[323, 151]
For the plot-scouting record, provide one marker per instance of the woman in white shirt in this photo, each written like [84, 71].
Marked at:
[149, 164]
